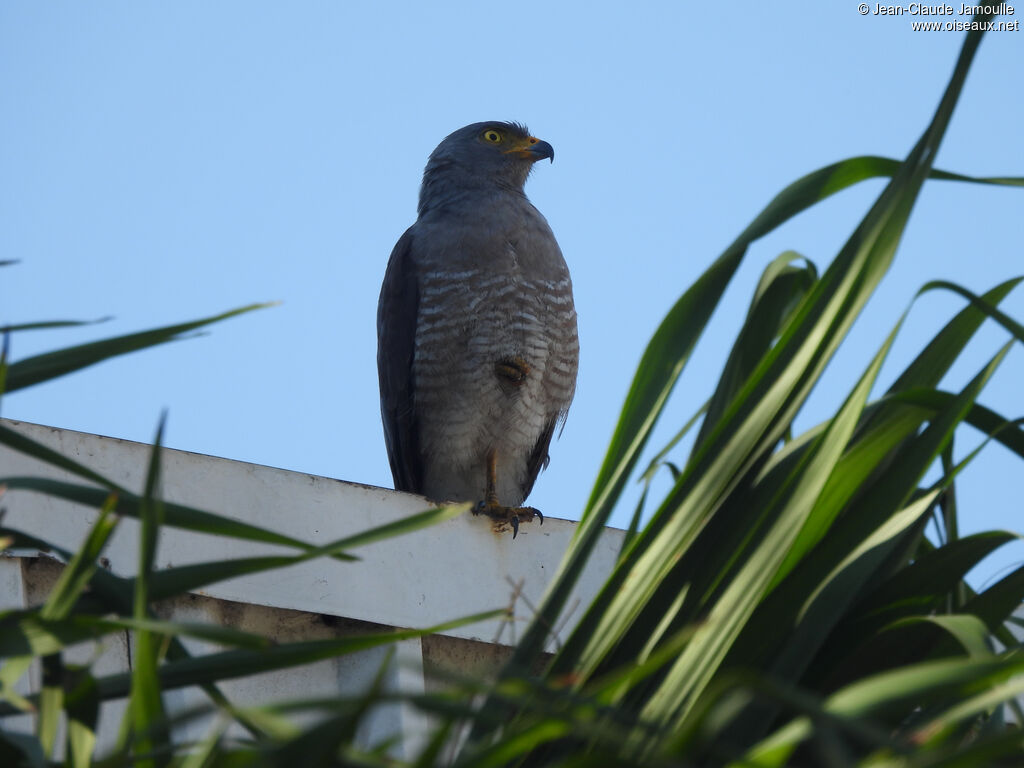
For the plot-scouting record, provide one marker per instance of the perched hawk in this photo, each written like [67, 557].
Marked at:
[476, 329]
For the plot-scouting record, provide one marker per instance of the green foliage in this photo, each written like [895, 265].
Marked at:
[780, 605]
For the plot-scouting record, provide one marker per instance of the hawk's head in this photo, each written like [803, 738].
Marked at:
[484, 154]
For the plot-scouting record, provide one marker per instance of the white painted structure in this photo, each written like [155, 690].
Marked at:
[454, 569]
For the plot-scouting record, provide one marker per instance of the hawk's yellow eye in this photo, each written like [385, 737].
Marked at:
[492, 136]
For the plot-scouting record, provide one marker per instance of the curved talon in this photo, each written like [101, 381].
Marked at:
[490, 505]
[512, 516]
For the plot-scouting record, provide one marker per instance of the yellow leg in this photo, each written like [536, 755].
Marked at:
[494, 509]
[491, 495]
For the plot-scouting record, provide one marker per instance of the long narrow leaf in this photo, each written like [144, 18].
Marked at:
[227, 665]
[145, 707]
[49, 325]
[50, 365]
[665, 358]
[175, 515]
[947, 677]
[693, 670]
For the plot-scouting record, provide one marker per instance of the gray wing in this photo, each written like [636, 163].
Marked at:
[396, 344]
[539, 458]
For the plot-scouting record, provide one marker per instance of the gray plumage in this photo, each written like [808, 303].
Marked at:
[477, 342]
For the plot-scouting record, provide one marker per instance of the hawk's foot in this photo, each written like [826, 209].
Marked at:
[511, 515]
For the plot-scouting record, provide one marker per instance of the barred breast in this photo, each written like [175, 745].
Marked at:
[496, 350]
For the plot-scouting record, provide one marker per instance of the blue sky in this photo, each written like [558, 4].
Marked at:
[161, 162]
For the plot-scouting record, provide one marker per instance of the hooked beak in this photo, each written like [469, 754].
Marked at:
[534, 149]
[541, 150]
